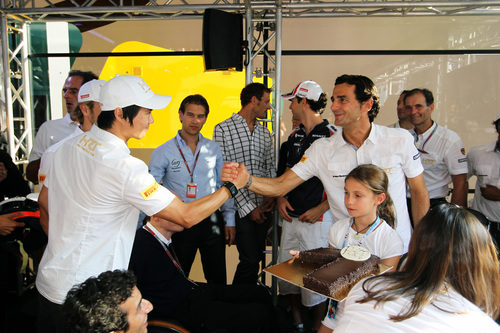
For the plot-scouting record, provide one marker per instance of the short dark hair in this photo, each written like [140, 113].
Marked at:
[194, 99]
[429, 98]
[86, 76]
[364, 90]
[107, 118]
[404, 92]
[251, 90]
[317, 106]
[94, 305]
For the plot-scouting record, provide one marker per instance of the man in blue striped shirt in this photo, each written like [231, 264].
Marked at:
[189, 164]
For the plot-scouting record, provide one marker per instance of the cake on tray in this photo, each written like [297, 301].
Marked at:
[319, 256]
[337, 274]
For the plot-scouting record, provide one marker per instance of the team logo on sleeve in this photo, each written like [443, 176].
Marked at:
[41, 178]
[150, 190]
[462, 151]
[303, 159]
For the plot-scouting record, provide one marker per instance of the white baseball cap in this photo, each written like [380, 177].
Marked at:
[126, 90]
[306, 89]
[90, 91]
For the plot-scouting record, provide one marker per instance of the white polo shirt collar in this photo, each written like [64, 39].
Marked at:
[159, 235]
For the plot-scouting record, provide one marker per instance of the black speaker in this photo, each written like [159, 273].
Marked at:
[222, 40]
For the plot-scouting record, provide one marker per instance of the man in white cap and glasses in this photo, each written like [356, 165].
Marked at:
[93, 193]
[305, 210]
[484, 163]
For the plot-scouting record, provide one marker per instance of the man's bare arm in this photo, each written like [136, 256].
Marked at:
[460, 189]
[269, 187]
[312, 215]
[189, 214]
[419, 198]
[43, 202]
[32, 171]
[490, 192]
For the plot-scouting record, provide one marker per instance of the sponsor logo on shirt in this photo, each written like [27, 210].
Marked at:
[388, 171]
[427, 161]
[176, 165]
[88, 144]
[462, 160]
[303, 159]
[150, 190]
[415, 157]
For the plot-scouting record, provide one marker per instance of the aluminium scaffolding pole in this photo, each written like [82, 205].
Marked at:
[17, 89]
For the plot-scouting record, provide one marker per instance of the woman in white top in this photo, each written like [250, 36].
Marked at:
[449, 282]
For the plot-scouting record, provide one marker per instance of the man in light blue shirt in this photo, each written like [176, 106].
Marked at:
[190, 165]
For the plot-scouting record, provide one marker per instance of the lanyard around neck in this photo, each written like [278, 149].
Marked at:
[185, 162]
[360, 242]
[428, 138]
[174, 260]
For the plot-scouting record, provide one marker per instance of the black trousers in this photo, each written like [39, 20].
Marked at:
[50, 318]
[220, 308]
[208, 236]
[250, 241]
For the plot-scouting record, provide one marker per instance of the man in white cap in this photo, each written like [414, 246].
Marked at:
[305, 210]
[484, 163]
[94, 191]
[86, 112]
[53, 131]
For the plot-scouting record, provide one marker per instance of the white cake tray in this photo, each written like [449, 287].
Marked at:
[293, 272]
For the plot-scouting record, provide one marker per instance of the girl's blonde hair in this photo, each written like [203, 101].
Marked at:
[375, 179]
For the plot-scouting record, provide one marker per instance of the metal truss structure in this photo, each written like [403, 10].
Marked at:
[92, 10]
[260, 15]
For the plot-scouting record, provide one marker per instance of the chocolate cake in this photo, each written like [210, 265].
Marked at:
[340, 274]
[319, 256]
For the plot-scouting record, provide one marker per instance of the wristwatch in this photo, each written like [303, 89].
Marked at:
[231, 187]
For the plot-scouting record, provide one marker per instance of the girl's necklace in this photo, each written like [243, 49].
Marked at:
[357, 236]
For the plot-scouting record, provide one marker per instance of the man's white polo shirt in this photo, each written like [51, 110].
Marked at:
[484, 163]
[48, 155]
[96, 190]
[393, 150]
[51, 131]
[443, 154]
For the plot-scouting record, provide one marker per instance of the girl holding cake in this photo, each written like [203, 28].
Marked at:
[371, 225]
[449, 282]
[372, 220]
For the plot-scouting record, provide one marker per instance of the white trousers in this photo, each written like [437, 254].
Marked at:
[301, 236]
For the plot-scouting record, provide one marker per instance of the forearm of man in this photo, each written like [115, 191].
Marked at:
[490, 192]
[32, 171]
[460, 189]
[275, 187]
[43, 202]
[189, 214]
[323, 206]
[419, 198]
